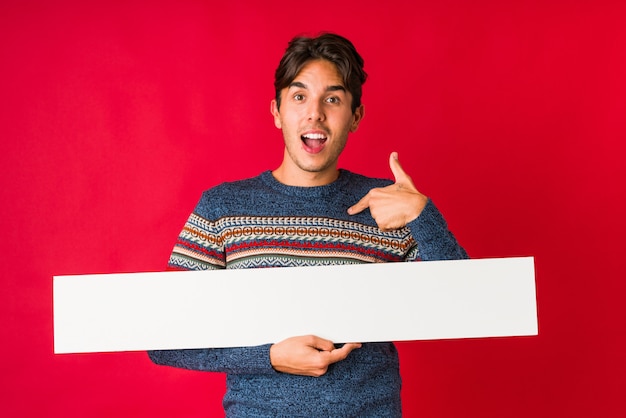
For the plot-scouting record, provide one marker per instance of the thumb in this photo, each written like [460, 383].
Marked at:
[321, 344]
[399, 174]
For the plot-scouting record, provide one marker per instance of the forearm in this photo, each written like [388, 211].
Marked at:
[240, 360]
[434, 239]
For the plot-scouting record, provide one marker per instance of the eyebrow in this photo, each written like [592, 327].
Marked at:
[329, 88]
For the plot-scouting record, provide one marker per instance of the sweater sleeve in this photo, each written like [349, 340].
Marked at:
[240, 360]
[199, 247]
[434, 239]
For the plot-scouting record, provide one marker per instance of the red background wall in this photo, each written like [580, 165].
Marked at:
[510, 115]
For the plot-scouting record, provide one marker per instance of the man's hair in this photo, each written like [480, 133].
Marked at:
[327, 46]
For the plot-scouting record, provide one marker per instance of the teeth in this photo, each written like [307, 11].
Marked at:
[314, 136]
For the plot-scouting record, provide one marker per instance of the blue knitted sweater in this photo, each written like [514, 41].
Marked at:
[260, 222]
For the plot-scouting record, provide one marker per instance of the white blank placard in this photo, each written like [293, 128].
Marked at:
[231, 308]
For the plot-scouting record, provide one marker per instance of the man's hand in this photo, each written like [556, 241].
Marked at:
[394, 206]
[307, 355]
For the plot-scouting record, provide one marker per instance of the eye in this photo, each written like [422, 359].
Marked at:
[333, 100]
[298, 97]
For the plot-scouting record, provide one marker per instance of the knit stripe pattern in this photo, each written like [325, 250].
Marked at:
[253, 241]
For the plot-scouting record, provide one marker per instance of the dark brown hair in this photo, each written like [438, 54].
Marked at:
[327, 46]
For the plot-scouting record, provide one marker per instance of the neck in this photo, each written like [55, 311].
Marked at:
[300, 178]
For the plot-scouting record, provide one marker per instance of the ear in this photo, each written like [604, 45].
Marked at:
[275, 113]
[357, 117]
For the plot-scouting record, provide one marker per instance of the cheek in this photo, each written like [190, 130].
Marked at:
[291, 121]
[349, 124]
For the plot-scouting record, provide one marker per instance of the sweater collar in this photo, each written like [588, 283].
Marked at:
[307, 192]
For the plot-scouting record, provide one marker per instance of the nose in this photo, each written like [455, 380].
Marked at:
[316, 111]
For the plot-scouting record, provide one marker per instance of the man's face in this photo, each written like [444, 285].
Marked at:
[316, 117]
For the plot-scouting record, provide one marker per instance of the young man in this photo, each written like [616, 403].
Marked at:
[309, 212]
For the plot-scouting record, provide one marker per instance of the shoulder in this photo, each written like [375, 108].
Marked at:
[357, 178]
[227, 188]
[360, 184]
[219, 199]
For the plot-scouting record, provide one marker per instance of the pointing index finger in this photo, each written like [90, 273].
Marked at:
[359, 206]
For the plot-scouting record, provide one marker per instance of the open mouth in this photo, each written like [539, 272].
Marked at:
[313, 142]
